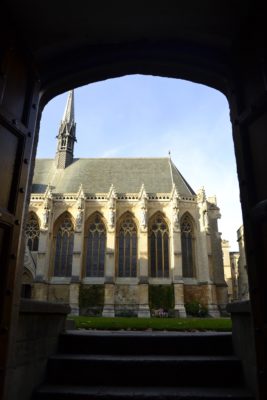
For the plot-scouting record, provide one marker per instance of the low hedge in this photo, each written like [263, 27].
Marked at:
[196, 309]
[161, 297]
[91, 299]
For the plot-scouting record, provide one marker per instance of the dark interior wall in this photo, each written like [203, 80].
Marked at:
[47, 48]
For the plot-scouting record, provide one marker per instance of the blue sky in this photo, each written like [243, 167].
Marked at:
[145, 116]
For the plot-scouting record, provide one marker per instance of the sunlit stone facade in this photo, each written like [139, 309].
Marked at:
[121, 226]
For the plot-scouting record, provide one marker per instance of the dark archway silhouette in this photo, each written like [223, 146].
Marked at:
[50, 47]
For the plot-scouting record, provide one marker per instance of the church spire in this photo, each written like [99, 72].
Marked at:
[66, 135]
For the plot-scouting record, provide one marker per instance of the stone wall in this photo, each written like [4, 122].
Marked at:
[244, 341]
[126, 300]
[58, 293]
[195, 293]
[128, 295]
[39, 326]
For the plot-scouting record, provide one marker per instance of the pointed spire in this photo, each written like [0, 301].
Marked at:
[68, 116]
[67, 135]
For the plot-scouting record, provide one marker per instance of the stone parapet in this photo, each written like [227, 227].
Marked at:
[243, 340]
[39, 326]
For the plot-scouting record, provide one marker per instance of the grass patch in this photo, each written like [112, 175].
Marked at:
[157, 324]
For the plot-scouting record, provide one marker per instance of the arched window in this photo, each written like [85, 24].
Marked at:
[188, 257]
[64, 247]
[127, 247]
[95, 247]
[32, 231]
[158, 247]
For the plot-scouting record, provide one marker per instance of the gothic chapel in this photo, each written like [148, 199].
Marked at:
[103, 232]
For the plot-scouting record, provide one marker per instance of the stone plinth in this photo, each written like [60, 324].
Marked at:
[108, 310]
[74, 298]
[143, 310]
[179, 300]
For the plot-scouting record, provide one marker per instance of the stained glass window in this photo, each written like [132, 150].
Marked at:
[127, 247]
[95, 247]
[64, 241]
[187, 234]
[32, 232]
[158, 247]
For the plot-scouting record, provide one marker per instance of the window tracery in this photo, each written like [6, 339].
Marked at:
[187, 235]
[159, 247]
[95, 247]
[127, 247]
[32, 231]
[64, 241]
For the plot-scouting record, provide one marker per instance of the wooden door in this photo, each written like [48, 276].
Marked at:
[18, 110]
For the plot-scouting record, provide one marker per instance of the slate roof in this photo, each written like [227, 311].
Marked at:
[97, 174]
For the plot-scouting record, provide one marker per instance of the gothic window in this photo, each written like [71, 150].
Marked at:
[64, 240]
[32, 232]
[127, 247]
[95, 247]
[158, 247]
[188, 260]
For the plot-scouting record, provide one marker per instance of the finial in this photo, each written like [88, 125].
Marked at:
[142, 193]
[169, 152]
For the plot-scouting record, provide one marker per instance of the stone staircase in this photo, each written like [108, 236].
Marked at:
[143, 365]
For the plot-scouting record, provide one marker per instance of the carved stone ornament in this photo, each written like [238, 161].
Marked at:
[45, 221]
[206, 220]
[143, 204]
[143, 217]
[201, 195]
[111, 217]
[79, 220]
[176, 218]
[80, 209]
[47, 208]
[112, 206]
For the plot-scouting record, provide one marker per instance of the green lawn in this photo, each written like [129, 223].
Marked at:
[168, 324]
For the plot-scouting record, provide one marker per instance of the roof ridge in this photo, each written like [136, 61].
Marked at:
[183, 179]
[97, 174]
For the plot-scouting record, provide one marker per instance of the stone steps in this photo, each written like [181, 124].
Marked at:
[146, 370]
[180, 343]
[143, 365]
[57, 392]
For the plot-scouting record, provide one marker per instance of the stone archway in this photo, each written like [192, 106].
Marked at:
[219, 45]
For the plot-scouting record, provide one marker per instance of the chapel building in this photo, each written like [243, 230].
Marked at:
[107, 235]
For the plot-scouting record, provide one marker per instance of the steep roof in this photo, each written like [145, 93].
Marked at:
[97, 174]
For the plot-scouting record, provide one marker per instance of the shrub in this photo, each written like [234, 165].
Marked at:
[203, 311]
[91, 299]
[161, 299]
[196, 309]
